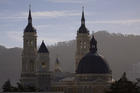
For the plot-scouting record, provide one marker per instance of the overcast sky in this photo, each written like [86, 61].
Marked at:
[59, 20]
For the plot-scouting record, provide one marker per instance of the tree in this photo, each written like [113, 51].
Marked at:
[7, 86]
[123, 85]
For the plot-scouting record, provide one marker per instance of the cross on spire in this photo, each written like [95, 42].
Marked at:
[30, 16]
[30, 6]
[83, 17]
[82, 8]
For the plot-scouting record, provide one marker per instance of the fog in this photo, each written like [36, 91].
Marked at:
[122, 52]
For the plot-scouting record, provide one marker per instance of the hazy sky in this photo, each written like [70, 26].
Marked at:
[59, 20]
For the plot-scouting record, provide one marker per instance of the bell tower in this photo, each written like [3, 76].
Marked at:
[29, 53]
[82, 41]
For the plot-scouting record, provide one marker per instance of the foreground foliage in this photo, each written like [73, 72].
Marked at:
[7, 87]
[123, 85]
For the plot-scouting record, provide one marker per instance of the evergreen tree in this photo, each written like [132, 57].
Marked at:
[123, 85]
[7, 86]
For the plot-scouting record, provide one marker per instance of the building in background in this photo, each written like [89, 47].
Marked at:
[92, 73]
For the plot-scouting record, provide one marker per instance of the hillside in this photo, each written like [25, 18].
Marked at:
[121, 52]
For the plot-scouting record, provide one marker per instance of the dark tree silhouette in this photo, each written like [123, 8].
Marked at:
[7, 86]
[123, 85]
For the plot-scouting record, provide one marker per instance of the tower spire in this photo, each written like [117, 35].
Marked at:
[29, 27]
[83, 17]
[30, 16]
[43, 48]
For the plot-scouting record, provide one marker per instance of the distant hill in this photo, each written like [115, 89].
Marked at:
[10, 64]
[121, 52]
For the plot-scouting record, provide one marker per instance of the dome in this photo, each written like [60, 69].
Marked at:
[93, 63]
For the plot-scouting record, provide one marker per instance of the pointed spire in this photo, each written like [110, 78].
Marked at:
[93, 44]
[83, 28]
[43, 48]
[57, 66]
[57, 61]
[29, 27]
[124, 78]
[30, 16]
[83, 17]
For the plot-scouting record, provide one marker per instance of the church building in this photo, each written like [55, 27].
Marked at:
[92, 72]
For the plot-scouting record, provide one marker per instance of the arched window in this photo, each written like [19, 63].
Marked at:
[84, 43]
[84, 46]
[31, 66]
[43, 64]
[31, 42]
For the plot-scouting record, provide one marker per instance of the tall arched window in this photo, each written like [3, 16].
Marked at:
[31, 66]
[43, 64]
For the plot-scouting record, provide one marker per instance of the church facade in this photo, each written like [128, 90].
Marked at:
[92, 73]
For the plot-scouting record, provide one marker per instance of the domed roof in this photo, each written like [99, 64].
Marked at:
[93, 63]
